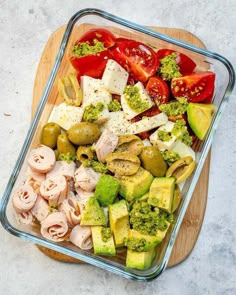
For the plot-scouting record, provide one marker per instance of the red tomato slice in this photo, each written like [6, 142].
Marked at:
[137, 58]
[158, 90]
[102, 35]
[92, 65]
[195, 87]
[185, 63]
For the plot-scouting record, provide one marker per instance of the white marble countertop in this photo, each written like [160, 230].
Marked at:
[25, 27]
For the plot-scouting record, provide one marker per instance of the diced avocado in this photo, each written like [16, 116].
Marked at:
[93, 214]
[101, 245]
[162, 233]
[161, 193]
[119, 221]
[140, 260]
[139, 242]
[199, 118]
[107, 189]
[136, 185]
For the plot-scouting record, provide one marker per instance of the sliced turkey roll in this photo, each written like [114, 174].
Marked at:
[81, 237]
[72, 209]
[24, 217]
[54, 227]
[24, 198]
[86, 178]
[41, 159]
[41, 209]
[106, 144]
[54, 189]
[63, 168]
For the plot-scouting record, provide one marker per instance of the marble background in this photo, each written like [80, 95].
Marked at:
[25, 27]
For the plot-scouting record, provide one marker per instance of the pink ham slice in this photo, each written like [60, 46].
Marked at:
[41, 159]
[81, 237]
[106, 144]
[54, 189]
[41, 209]
[72, 209]
[54, 227]
[63, 168]
[24, 198]
[86, 178]
[24, 217]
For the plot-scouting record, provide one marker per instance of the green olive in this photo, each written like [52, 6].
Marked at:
[83, 133]
[50, 133]
[130, 143]
[152, 160]
[181, 169]
[84, 153]
[177, 198]
[64, 146]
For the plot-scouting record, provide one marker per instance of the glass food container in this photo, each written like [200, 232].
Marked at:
[78, 24]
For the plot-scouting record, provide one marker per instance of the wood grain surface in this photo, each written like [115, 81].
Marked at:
[191, 225]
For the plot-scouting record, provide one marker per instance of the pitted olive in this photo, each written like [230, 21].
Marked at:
[83, 133]
[130, 143]
[64, 146]
[84, 153]
[181, 169]
[177, 198]
[152, 160]
[50, 133]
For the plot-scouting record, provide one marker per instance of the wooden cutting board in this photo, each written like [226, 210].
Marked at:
[193, 219]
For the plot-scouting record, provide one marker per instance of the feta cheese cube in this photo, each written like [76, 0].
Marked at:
[115, 77]
[94, 91]
[117, 123]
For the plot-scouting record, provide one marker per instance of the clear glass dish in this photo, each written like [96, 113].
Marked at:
[79, 23]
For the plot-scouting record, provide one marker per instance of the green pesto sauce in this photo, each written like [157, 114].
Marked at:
[134, 99]
[175, 108]
[106, 234]
[145, 219]
[135, 244]
[96, 166]
[114, 106]
[170, 157]
[92, 112]
[84, 48]
[181, 132]
[169, 68]
[164, 135]
[66, 157]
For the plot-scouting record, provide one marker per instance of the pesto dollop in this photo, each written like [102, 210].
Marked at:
[68, 157]
[134, 100]
[96, 166]
[92, 112]
[170, 157]
[164, 135]
[181, 132]
[175, 108]
[135, 244]
[114, 106]
[106, 234]
[145, 219]
[84, 48]
[169, 68]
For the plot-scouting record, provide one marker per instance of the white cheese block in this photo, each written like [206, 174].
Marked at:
[148, 123]
[66, 115]
[183, 150]
[94, 91]
[163, 145]
[115, 77]
[130, 112]
[117, 123]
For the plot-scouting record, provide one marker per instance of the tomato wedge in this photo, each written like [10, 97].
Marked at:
[92, 65]
[137, 58]
[100, 34]
[158, 90]
[196, 87]
[185, 63]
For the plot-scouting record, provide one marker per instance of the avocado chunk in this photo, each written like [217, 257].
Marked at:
[161, 193]
[162, 233]
[103, 244]
[140, 260]
[136, 185]
[93, 214]
[199, 116]
[119, 221]
[139, 242]
[107, 189]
